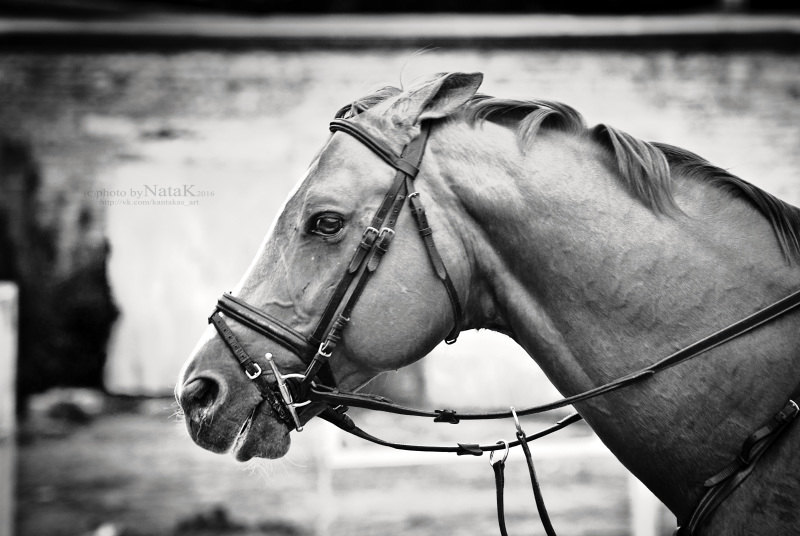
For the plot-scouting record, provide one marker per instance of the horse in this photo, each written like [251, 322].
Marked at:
[597, 252]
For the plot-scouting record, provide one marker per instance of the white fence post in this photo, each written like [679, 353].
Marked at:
[325, 456]
[645, 509]
[8, 373]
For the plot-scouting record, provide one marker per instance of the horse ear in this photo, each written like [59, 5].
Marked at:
[439, 97]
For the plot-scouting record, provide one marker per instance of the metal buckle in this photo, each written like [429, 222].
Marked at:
[413, 194]
[516, 420]
[323, 349]
[790, 413]
[385, 238]
[255, 374]
[368, 237]
[286, 395]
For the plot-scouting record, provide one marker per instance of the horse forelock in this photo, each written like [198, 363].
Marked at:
[645, 169]
[366, 102]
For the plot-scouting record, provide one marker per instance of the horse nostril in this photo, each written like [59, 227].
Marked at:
[199, 393]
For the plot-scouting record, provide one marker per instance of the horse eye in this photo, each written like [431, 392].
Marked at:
[326, 224]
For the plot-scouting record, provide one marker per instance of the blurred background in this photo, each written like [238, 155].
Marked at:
[106, 103]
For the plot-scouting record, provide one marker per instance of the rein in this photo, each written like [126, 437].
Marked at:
[296, 398]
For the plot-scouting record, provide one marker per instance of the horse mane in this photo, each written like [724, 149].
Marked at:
[785, 218]
[645, 169]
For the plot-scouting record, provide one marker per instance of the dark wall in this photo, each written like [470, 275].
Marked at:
[101, 8]
[66, 310]
[457, 6]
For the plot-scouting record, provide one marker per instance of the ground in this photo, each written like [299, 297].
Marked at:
[132, 470]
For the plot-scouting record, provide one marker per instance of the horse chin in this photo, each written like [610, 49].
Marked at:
[261, 436]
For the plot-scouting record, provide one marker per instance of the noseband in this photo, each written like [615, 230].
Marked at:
[286, 397]
[289, 394]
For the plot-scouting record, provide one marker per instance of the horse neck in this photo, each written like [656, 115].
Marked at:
[594, 285]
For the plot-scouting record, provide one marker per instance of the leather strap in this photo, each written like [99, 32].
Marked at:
[251, 368]
[265, 324]
[336, 397]
[339, 419]
[544, 517]
[408, 165]
[269, 326]
[362, 251]
[425, 231]
[737, 329]
[499, 483]
[722, 484]
[374, 244]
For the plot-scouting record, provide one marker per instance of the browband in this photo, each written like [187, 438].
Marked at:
[377, 146]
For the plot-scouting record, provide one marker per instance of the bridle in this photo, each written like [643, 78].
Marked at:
[291, 391]
[292, 397]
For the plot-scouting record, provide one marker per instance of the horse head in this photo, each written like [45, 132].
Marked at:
[316, 274]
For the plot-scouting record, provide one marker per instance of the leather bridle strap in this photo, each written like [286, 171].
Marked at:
[342, 421]
[499, 483]
[499, 466]
[269, 326]
[372, 233]
[375, 242]
[722, 484]
[408, 162]
[252, 369]
[425, 231]
[259, 321]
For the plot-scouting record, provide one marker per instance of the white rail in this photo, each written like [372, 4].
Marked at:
[8, 367]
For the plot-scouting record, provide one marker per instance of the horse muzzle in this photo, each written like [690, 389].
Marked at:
[221, 420]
